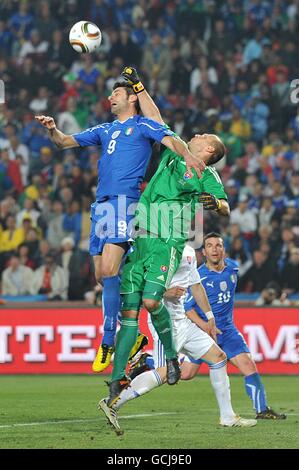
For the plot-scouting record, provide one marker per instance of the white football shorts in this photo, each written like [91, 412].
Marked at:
[189, 339]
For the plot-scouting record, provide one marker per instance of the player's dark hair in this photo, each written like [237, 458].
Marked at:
[210, 235]
[220, 151]
[129, 90]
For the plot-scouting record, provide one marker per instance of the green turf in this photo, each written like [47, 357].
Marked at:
[192, 421]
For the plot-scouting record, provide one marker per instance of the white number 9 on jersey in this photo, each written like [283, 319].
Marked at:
[111, 146]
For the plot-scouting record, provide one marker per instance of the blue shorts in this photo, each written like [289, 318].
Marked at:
[231, 342]
[111, 222]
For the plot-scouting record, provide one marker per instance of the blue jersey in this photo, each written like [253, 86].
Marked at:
[220, 288]
[126, 149]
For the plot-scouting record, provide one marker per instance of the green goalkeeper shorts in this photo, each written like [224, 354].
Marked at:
[148, 270]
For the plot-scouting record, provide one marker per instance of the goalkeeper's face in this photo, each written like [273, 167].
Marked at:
[203, 146]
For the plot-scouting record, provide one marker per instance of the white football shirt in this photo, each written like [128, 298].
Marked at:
[186, 276]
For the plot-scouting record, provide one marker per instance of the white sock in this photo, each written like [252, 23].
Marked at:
[142, 384]
[220, 383]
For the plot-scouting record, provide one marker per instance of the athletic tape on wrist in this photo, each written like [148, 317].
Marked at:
[209, 315]
[138, 87]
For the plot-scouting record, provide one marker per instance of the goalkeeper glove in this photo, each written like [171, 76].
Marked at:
[210, 202]
[131, 75]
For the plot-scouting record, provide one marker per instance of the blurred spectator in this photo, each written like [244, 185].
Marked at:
[202, 73]
[290, 272]
[28, 211]
[11, 173]
[56, 232]
[253, 48]
[16, 279]
[22, 21]
[75, 263]
[49, 279]
[35, 46]
[125, 48]
[238, 253]
[89, 72]
[12, 237]
[221, 39]
[273, 296]
[266, 211]
[256, 113]
[259, 274]
[232, 142]
[45, 22]
[25, 260]
[19, 152]
[245, 218]
[239, 126]
[72, 221]
[158, 62]
[32, 242]
[40, 103]
[292, 190]
[67, 122]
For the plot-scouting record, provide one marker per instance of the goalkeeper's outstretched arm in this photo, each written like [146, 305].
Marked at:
[147, 105]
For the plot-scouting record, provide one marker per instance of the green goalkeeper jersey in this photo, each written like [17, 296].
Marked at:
[170, 200]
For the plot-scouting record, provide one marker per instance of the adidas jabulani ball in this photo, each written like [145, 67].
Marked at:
[85, 37]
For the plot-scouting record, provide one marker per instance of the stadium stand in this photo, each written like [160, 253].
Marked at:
[225, 67]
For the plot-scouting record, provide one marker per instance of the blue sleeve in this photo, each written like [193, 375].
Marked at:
[153, 129]
[91, 136]
[189, 303]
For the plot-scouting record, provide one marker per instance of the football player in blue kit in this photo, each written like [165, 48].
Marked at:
[126, 149]
[219, 278]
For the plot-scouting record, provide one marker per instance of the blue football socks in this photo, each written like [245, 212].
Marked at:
[256, 392]
[111, 304]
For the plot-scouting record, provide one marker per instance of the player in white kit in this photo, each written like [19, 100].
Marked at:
[190, 340]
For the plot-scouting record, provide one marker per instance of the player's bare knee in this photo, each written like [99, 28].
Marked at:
[151, 304]
[221, 356]
[109, 271]
[248, 367]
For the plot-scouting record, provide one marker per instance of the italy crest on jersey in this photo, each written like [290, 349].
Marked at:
[129, 130]
[223, 286]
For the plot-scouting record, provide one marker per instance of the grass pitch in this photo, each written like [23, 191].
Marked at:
[60, 412]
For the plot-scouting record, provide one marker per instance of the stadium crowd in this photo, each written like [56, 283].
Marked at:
[212, 66]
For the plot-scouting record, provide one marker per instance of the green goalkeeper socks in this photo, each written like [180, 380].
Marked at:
[126, 338]
[162, 323]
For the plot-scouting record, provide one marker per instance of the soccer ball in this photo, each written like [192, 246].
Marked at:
[85, 37]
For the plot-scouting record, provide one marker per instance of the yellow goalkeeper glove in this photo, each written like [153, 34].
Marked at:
[131, 76]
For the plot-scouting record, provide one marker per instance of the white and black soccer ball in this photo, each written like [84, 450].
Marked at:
[85, 37]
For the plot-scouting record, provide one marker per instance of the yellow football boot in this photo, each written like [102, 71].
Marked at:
[103, 358]
[141, 341]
